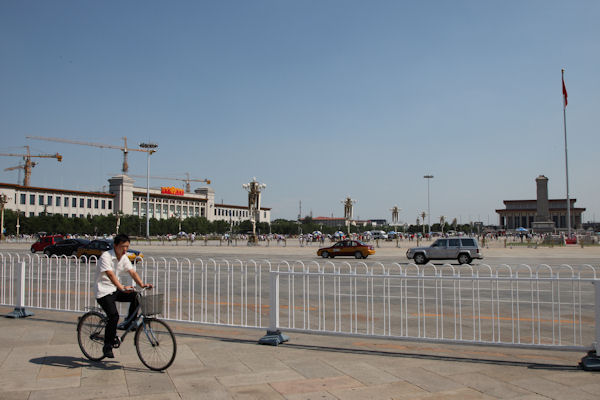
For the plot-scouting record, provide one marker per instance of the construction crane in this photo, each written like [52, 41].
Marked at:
[187, 180]
[123, 148]
[28, 163]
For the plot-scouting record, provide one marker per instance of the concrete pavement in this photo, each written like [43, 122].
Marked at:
[40, 359]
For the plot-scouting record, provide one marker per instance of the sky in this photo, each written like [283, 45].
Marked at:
[319, 100]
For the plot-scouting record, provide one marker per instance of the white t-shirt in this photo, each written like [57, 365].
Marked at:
[108, 262]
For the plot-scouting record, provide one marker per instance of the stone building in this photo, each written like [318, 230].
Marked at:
[125, 198]
[542, 214]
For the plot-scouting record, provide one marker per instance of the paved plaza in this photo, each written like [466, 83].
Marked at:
[40, 358]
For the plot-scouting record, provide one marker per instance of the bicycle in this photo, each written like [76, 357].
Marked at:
[154, 340]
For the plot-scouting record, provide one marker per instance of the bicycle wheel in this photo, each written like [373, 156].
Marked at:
[155, 344]
[90, 335]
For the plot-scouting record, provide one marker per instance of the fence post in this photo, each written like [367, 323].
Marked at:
[591, 362]
[274, 337]
[20, 311]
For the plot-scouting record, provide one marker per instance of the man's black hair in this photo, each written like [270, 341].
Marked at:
[121, 238]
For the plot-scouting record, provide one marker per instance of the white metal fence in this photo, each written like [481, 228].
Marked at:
[546, 306]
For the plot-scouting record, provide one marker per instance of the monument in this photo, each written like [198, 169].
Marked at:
[542, 222]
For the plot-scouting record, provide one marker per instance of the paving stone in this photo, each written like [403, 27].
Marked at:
[27, 382]
[206, 395]
[593, 388]
[447, 368]
[396, 390]
[364, 372]
[553, 390]
[159, 396]
[252, 392]
[424, 379]
[199, 384]
[575, 378]
[23, 395]
[489, 386]
[235, 368]
[93, 377]
[96, 392]
[147, 383]
[315, 385]
[313, 368]
[459, 394]
[259, 377]
[311, 396]
[262, 362]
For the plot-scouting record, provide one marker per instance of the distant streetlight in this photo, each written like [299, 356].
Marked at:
[150, 149]
[428, 177]
[254, 189]
[3, 200]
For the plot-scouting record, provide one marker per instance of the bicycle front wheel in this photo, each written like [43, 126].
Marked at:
[155, 344]
[90, 335]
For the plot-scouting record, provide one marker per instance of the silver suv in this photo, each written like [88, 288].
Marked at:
[462, 249]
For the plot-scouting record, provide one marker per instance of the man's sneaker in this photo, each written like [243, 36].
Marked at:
[123, 326]
[108, 353]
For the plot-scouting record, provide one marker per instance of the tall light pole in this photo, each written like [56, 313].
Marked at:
[428, 177]
[150, 148]
[3, 200]
[348, 203]
[395, 213]
[254, 189]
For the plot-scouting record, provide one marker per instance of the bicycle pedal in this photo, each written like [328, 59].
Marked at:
[117, 343]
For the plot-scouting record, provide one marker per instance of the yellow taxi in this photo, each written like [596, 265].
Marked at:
[97, 247]
[352, 248]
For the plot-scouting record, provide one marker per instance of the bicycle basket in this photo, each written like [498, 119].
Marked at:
[152, 304]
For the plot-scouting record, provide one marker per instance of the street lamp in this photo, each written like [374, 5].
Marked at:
[3, 200]
[150, 148]
[348, 203]
[428, 177]
[254, 189]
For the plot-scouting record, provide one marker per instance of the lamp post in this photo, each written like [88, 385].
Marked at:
[254, 189]
[428, 177]
[18, 222]
[3, 200]
[150, 149]
[348, 203]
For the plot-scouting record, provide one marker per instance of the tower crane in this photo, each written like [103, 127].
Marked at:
[187, 180]
[123, 148]
[28, 164]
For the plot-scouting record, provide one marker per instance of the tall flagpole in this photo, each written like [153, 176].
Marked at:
[566, 155]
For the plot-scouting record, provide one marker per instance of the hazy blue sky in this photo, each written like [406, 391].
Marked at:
[317, 99]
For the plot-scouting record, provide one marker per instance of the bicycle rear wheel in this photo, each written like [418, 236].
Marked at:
[90, 335]
[155, 344]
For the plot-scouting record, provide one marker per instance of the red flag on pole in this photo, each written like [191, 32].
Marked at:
[564, 88]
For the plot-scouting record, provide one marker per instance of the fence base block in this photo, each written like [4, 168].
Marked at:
[274, 338]
[19, 312]
[591, 362]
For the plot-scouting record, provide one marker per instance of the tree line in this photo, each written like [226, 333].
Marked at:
[136, 226]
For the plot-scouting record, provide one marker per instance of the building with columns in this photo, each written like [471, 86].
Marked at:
[542, 214]
[125, 198]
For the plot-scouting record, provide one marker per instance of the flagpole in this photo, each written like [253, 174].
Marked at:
[566, 154]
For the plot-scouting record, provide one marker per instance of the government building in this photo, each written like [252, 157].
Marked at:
[126, 199]
[541, 214]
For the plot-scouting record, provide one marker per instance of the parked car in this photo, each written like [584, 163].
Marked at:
[353, 248]
[97, 247]
[45, 241]
[379, 235]
[65, 247]
[463, 249]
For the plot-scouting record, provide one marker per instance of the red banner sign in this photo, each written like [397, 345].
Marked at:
[171, 190]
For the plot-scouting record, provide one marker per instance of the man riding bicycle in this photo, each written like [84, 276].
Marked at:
[109, 289]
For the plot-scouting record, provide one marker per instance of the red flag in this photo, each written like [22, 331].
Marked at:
[564, 90]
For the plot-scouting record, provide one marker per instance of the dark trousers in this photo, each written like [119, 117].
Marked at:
[110, 308]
